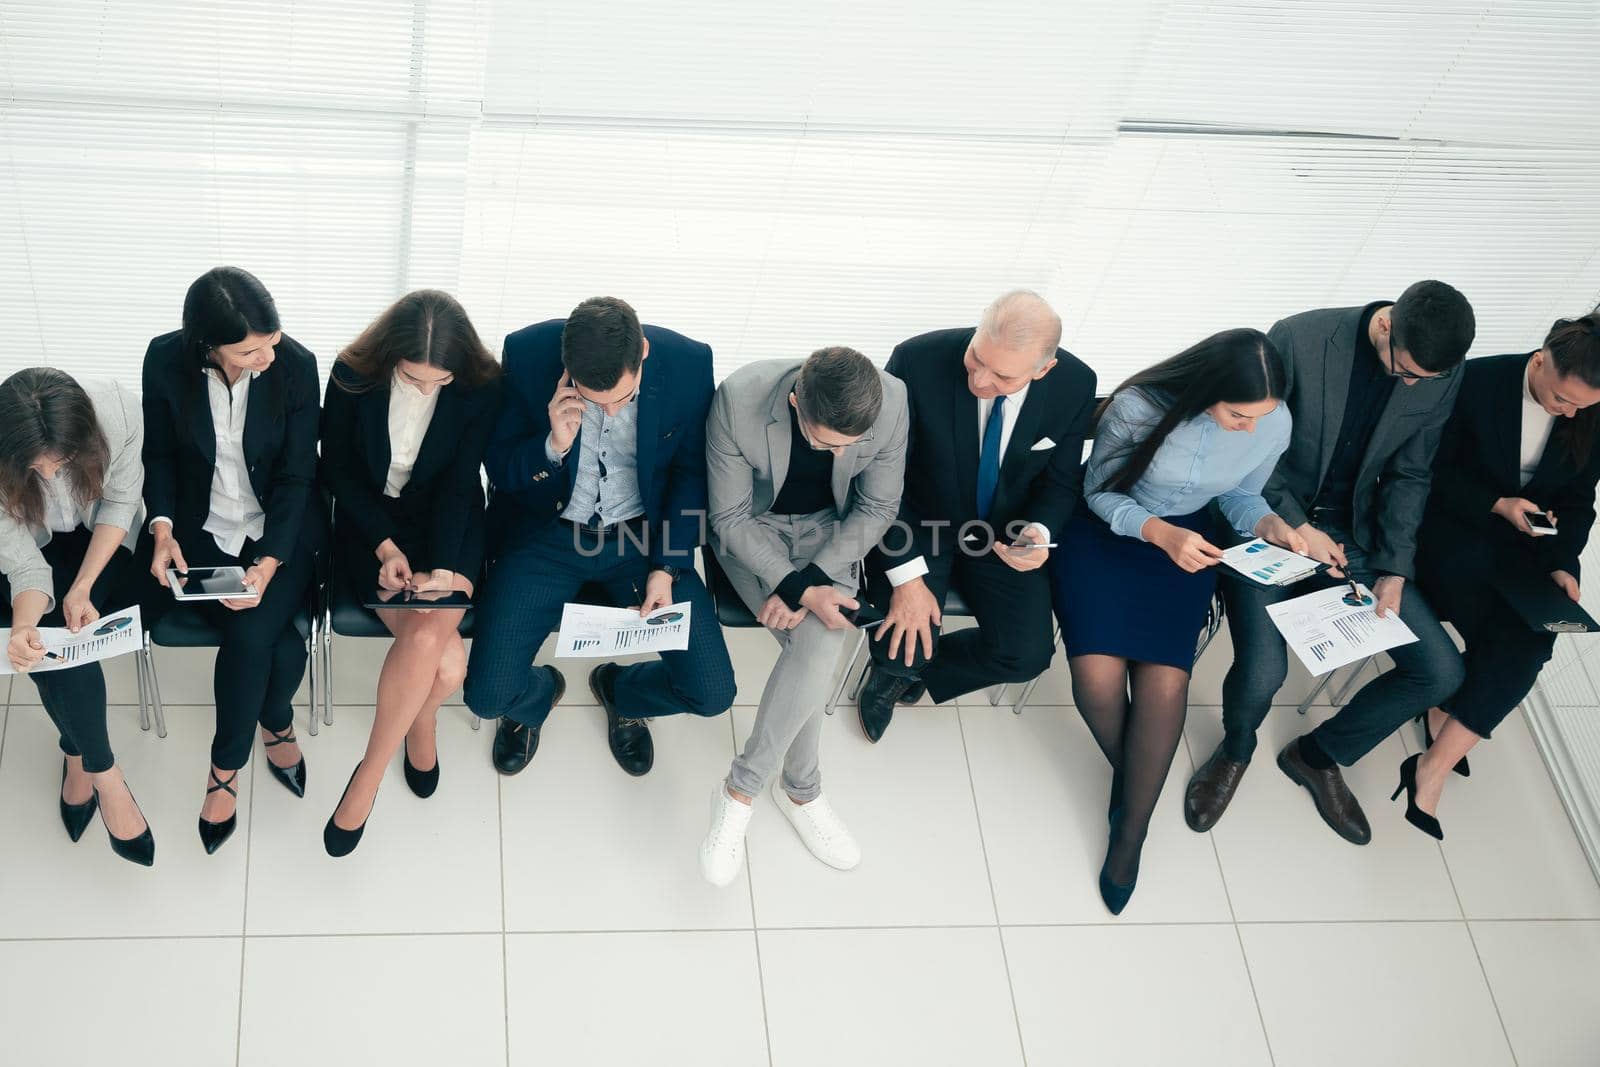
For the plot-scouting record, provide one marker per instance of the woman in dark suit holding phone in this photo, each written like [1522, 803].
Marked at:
[230, 455]
[407, 416]
[1519, 455]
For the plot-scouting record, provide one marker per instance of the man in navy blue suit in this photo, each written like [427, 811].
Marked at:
[597, 473]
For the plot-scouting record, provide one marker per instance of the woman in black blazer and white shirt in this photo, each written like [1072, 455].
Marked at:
[230, 455]
[1524, 440]
[406, 418]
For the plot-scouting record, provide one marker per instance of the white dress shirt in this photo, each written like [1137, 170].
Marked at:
[410, 412]
[1536, 426]
[61, 511]
[235, 514]
[916, 568]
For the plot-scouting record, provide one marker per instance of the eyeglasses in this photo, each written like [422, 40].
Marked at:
[1409, 376]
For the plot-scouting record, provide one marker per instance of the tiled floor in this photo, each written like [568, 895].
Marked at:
[559, 918]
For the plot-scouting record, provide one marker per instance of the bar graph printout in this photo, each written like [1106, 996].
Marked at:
[1330, 628]
[1269, 564]
[590, 631]
[106, 637]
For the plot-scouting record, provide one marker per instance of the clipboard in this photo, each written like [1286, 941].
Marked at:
[1541, 604]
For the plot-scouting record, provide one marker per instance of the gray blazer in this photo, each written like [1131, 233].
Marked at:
[747, 458]
[121, 502]
[1392, 485]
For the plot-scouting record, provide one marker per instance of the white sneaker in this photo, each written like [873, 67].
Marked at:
[823, 832]
[722, 852]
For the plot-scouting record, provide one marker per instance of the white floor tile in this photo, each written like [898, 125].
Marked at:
[1543, 975]
[879, 997]
[1373, 993]
[54, 888]
[689, 999]
[1091, 994]
[423, 866]
[1281, 861]
[589, 848]
[421, 1001]
[1042, 786]
[134, 1003]
[1507, 839]
[908, 801]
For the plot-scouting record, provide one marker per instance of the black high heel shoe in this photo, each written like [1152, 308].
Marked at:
[293, 778]
[1415, 815]
[213, 834]
[422, 783]
[141, 849]
[1116, 896]
[1461, 766]
[337, 840]
[76, 817]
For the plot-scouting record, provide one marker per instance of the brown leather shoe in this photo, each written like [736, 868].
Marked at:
[1210, 790]
[1335, 803]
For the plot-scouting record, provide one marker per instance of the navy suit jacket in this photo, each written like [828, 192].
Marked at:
[675, 390]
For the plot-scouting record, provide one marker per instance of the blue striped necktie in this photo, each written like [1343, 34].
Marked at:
[989, 457]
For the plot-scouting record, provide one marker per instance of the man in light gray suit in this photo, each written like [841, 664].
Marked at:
[1370, 389]
[805, 465]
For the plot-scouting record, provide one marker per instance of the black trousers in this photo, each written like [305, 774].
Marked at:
[75, 699]
[261, 658]
[1013, 641]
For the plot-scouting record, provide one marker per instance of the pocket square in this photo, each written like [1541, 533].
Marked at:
[1041, 444]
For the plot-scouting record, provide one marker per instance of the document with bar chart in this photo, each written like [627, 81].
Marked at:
[588, 631]
[1269, 564]
[1330, 628]
[105, 638]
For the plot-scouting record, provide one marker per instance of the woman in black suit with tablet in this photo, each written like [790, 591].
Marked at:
[406, 418]
[1519, 452]
[230, 457]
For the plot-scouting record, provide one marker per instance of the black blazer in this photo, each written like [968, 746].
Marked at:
[1036, 485]
[444, 496]
[280, 443]
[1480, 459]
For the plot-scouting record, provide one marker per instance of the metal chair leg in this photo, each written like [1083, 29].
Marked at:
[313, 639]
[997, 694]
[1311, 697]
[477, 723]
[1350, 682]
[327, 669]
[155, 689]
[144, 699]
[849, 669]
[1024, 696]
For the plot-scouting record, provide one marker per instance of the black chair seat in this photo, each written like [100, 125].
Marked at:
[731, 609]
[185, 627]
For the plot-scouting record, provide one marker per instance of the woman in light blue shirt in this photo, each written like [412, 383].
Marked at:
[1134, 575]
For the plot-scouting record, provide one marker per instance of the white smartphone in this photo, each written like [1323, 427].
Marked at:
[209, 583]
[1539, 526]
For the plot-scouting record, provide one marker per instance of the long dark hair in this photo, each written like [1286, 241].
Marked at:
[43, 412]
[1234, 366]
[426, 326]
[1574, 345]
[224, 305]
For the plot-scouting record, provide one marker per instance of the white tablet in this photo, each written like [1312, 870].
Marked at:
[209, 583]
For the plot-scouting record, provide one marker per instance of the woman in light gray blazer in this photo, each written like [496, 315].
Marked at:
[70, 490]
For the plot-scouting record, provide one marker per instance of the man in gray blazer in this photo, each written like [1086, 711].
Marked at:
[805, 464]
[1370, 389]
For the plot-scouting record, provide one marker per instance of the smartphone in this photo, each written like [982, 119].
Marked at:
[1539, 528]
[209, 583]
[405, 598]
[863, 617]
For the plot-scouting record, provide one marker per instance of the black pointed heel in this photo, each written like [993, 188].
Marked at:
[76, 817]
[1415, 815]
[1115, 896]
[1462, 767]
[422, 783]
[141, 849]
[337, 840]
[213, 834]
[293, 778]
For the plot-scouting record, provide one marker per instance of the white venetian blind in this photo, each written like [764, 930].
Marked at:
[319, 145]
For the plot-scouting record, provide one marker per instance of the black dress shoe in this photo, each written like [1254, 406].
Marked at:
[875, 705]
[1415, 815]
[77, 817]
[336, 839]
[293, 778]
[1335, 803]
[141, 849]
[914, 692]
[1462, 767]
[631, 745]
[422, 783]
[514, 743]
[1210, 790]
[213, 834]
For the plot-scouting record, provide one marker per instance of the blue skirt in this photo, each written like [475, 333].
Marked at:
[1120, 596]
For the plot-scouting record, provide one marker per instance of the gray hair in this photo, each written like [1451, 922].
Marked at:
[1022, 319]
[839, 388]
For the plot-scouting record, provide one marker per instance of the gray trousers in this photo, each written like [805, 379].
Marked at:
[789, 721]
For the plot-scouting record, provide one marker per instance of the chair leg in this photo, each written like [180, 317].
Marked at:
[997, 694]
[155, 689]
[144, 699]
[1311, 697]
[477, 723]
[312, 643]
[849, 669]
[327, 668]
[1026, 695]
[1350, 682]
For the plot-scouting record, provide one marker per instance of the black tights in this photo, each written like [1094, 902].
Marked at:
[1139, 737]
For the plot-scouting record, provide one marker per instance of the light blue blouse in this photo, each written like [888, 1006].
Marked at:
[1198, 462]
